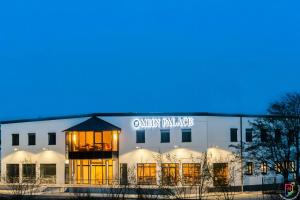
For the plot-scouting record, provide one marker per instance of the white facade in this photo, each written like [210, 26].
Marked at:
[210, 134]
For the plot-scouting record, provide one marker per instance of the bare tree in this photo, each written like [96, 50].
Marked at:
[26, 187]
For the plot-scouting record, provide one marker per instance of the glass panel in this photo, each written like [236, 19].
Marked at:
[98, 141]
[48, 173]
[107, 140]
[12, 173]
[115, 140]
[90, 141]
[220, 171]
[170, 172]
[75, 141]
[85, 174]
[78, 170]
[82, 146]
[146, 174]
[28, 172]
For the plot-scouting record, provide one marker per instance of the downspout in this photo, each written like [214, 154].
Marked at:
[241, 140]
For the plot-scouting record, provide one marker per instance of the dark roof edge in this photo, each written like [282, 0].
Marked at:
[128, 114]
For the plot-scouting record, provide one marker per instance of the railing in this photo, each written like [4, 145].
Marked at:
[89, 147]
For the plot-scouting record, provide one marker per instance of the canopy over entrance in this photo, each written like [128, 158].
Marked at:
[93, 124]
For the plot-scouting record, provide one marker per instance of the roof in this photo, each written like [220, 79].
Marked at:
[93, 124]
[128, 114]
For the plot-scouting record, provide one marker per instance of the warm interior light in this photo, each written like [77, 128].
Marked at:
[15, 149]
[74, 138]
[115, 136]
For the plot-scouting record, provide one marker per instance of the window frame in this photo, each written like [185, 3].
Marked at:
[193, 175]
[249, 135]
[249, 168]
[47, 178]
[233, 135]
[264, 168]
[165, 131]
[12, 139]
[140, 139]
[29, 141]
[184, 138]
[49, 136]
[146, 180]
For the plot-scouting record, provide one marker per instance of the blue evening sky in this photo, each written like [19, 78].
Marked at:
[72, 57]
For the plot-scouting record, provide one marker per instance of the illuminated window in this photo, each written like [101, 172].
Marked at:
[264, 168]
[140, 136]
[93, 141]
[146, 173]
[249, 168]
[249, 135]
[107, 140]
[290, 166]
[15, 139]
[233, 134]
[191, 173]
[170, 173]
[165, 136]
[186, 135]
[278, 167]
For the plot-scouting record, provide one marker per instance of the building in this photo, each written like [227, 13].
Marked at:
[102, 148]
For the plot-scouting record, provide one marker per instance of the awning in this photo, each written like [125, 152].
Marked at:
[93, 124]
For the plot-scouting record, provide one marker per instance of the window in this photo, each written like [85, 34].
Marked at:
[291, 137]
[12, 173]
[220, 174]
[140, 136]
[15, 139]
[51, 138]
[278, 135]
[164, 136]
[186, 135]
[92, 141]
[191, 173]
[146, 173]
[290, 165]
[170, 173]
[249, 168]
[278, 167]
[264, 168]
[124, 174]
[31, 138]
[263, 135]
[28, 172]
[233, 134]
[48, 173]
[249, 135]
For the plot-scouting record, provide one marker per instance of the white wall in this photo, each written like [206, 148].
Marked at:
[35, 153]
[209, 133]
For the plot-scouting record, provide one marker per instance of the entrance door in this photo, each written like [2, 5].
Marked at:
[97, 172]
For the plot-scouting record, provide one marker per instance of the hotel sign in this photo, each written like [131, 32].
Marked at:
[163, 122]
